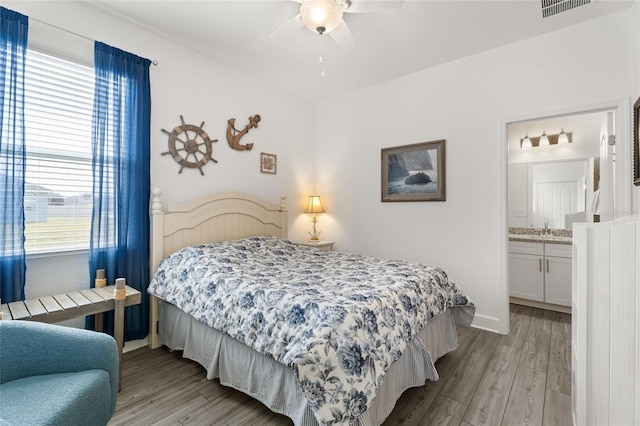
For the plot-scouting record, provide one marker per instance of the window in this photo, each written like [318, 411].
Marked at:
[58, 110]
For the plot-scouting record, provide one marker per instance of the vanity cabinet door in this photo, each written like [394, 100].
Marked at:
[558, 280]
[526, 276]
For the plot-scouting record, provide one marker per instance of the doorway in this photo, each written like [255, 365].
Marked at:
[599, 144]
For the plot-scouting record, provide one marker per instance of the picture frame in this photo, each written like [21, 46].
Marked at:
[414, 172]
[636, 143]
[268, 163]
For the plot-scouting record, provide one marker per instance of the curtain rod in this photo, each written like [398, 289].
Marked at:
[154, 62]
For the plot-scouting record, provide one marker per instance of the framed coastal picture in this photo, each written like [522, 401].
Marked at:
[636, 143]
[268, 163]
[414, 172]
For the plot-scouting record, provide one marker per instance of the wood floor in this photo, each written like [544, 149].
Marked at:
[523, 378]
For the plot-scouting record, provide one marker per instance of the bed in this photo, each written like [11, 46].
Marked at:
[322, 337]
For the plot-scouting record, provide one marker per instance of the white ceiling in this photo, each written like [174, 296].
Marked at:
[418, 35]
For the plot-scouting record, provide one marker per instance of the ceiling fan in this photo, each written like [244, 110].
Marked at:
[325, 17]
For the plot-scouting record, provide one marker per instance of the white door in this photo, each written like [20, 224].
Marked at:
[557, 281]
[558, 190]
[555, 200]
[526, 277]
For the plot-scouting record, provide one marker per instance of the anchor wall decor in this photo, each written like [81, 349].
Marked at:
[183, 146]
[234, 135]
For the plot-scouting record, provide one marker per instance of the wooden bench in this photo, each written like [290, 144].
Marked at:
[61, 307]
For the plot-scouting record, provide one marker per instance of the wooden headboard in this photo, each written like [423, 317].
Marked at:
[218, 217]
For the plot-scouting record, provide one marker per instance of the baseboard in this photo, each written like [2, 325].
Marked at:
[134, 344]
[487, 323]
[541, 305]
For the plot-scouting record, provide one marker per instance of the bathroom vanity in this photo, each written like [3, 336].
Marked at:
[540, 268]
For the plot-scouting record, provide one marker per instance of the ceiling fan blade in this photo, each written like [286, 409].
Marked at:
[289, 27]
[342, 36]
[369, 6]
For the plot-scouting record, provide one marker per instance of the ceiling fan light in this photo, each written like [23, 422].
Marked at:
[321, 16]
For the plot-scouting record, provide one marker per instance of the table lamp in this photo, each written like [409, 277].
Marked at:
[314, 206]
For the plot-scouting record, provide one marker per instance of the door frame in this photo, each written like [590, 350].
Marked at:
[623, 175]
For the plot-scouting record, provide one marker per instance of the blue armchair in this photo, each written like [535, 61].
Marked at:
[55, 375]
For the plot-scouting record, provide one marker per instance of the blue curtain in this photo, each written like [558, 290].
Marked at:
[121, 178]
[13, 50]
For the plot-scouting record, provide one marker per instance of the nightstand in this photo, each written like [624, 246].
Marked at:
[323, 245]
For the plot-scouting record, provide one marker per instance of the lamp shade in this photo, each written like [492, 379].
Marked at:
[526, 142]
[314, 205]
[544, 140]
[562, 137]
[321, 16]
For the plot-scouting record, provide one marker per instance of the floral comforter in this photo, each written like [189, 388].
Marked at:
[338, 320]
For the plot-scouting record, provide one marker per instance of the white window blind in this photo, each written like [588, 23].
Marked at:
[58, 109]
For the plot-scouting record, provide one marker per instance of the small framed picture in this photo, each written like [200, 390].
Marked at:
[268, 163]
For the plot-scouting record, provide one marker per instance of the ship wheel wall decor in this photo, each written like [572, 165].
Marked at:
[190, 146]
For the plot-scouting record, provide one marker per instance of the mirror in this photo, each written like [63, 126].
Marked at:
[557, 185]
[556, 193]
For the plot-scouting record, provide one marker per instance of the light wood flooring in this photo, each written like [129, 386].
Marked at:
[523, 378]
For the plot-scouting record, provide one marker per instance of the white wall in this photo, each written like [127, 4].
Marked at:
[518, 196]
[200, 89]
[467, 103]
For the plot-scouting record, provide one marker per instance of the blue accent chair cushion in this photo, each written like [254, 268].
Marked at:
[55, 375]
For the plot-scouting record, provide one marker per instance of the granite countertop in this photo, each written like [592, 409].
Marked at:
[535, 235]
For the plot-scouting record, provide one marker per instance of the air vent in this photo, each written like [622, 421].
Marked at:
[553, 7]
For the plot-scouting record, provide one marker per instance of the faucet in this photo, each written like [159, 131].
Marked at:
[547, 231]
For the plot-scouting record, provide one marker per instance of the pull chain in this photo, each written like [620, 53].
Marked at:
[320, 61]
[322, 57]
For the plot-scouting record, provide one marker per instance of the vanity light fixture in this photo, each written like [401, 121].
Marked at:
[545, 140]
[314, 206]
